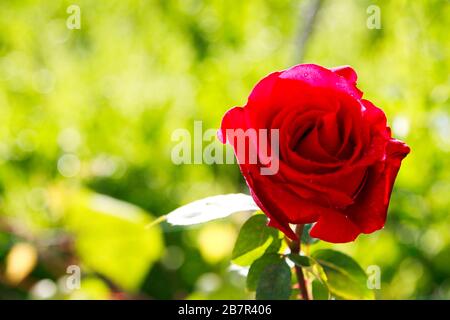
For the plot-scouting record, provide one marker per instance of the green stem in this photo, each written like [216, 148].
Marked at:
[295, 249]
[156, 221]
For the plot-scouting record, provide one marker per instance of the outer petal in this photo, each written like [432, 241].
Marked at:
[336, 228]
[261, 93]
[318, 76]
[347, 72]
[260, 106]
[275, 220]
[370, 208]
[235, 118]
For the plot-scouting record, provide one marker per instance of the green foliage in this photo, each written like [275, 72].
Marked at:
[257, 268]
[319, 290]
[255, 238]
[95, 108]
[274, 282]
[345, 278]
[211, 208]
[302, 261]
[111, 237]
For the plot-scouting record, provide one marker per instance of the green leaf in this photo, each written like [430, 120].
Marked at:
[318, 272]
[320, 290]
[6, 242]
[313, 268]
[301, 261]
[274, 282]
[111, 237]
[257, 268]
[255, 239]
[295, 292]
[310, 265]
[345, 278]
[211, 208]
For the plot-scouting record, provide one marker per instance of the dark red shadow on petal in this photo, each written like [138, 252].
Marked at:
[370, 208]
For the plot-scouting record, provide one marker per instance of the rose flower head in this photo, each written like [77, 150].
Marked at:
[336, 160]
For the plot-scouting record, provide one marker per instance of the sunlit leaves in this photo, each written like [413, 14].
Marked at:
[319, 290]
[258, 245]
[111, 237]
[345, 278]
[211, 208]
[274, 282]
[255, 239]
[258, 266]
[301, 261]
[314, 270]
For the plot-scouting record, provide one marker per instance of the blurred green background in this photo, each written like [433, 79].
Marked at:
[86, 118]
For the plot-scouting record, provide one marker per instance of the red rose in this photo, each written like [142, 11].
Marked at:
[337, 159]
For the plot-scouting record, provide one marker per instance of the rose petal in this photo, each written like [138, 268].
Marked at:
[275, 221]
[318, 76]
[309, 147]
[370, 208]
[335, 227]
[261, 93]
[232, 119]
[347, 72]
[328, 134]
